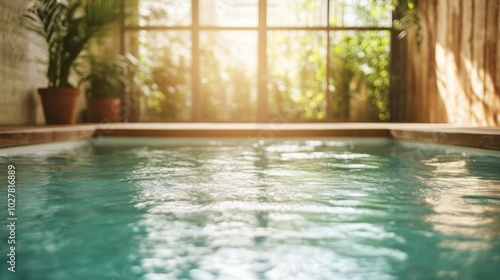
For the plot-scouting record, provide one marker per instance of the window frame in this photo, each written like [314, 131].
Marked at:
[262, 30]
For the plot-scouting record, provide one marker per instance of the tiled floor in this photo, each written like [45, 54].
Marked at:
[481, 137]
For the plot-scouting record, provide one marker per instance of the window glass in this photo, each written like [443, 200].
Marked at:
[229, 13]
[349, 13]
[312, 75]
[228, 72]
[359, 75]
[164, 73]
[297, 73]
[296, 13]
[158, 13]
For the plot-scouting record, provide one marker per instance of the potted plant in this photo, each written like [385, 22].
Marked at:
[103, 86]
[65, 28]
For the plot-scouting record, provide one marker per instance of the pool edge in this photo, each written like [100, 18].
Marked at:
[477, 137]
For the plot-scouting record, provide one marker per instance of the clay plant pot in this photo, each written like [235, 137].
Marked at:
[103, 109]
[59, 104]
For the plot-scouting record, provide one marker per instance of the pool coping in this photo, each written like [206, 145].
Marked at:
[477, 137]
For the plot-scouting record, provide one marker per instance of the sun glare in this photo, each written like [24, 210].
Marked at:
[214, 55]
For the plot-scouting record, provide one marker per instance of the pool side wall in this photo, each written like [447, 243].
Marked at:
[485, 137]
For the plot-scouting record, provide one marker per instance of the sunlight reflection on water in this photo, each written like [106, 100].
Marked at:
[309, 219]
[239, 209]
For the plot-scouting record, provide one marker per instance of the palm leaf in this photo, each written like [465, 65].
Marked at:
[66, 27]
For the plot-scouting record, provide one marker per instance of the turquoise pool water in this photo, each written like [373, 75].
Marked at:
[249, 209]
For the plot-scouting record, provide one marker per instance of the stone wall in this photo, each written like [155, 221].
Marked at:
[20, 75]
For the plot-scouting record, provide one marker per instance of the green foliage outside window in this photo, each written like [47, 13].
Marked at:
[356, 64]
[297, 72]
[165, 75]
[360, 62]
[228, 83]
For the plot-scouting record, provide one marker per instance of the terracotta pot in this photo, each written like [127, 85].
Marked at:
[103, 109]
[59, 104]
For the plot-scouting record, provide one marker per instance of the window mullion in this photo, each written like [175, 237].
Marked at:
[196, 110]
[328, 114]
[262, 100]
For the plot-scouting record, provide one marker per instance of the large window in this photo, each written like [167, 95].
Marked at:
[261, 60]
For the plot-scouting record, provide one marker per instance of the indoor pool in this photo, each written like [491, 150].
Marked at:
[133, 208]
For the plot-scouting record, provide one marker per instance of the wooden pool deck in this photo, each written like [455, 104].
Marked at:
[479, 137]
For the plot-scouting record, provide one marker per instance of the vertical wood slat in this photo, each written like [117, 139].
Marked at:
[425, 50]
[464, 64]
[496, 78]
[431, 73]
[455, 74]
[441, 115]
[491, 51]
[477, 75]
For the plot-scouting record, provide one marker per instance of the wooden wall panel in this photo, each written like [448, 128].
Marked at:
[454, 74]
